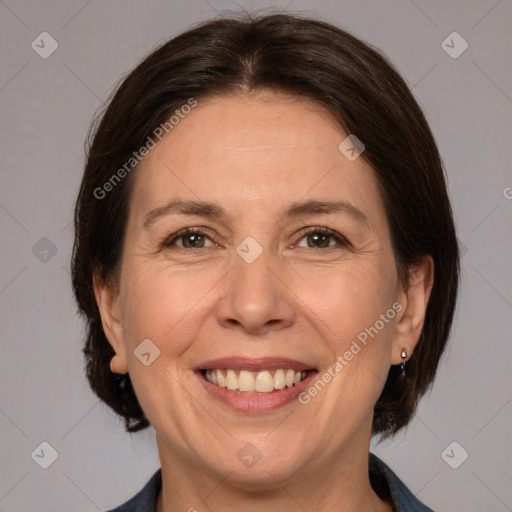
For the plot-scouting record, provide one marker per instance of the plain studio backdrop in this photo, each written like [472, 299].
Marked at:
[59, 63]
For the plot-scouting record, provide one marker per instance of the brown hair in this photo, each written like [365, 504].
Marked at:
[311, 59]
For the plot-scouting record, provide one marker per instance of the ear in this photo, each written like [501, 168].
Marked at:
[107, 298]
[414, 300]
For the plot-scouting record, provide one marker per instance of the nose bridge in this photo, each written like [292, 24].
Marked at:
[253, 297]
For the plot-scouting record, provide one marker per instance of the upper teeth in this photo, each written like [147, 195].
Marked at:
[263, 381]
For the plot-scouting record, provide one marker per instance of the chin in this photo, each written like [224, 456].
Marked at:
[256, 466]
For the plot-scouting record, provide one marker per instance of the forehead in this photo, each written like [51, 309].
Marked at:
[254, 151]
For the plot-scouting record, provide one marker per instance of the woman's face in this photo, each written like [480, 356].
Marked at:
[288, 257]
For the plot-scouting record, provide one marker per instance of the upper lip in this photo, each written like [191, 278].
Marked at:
[254, 364]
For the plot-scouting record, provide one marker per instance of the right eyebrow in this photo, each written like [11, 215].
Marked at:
[202, 208]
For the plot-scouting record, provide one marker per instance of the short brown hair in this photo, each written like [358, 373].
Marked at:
[310, 59]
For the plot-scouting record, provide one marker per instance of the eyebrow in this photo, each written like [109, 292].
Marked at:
[182, 207]
[323, 207]
[212, 210]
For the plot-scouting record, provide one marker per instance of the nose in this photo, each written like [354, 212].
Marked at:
[254, 299]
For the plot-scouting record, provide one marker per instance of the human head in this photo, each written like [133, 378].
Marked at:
[307, 59]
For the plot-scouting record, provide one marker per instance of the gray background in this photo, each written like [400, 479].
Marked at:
[46, 106]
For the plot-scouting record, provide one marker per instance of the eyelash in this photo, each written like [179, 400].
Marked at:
[341, 240]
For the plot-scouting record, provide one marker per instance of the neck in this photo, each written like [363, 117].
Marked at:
[340, 483]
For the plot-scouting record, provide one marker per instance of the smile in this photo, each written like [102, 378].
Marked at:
[255, 385]
[262, 382]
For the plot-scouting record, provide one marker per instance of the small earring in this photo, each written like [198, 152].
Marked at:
[403, 355]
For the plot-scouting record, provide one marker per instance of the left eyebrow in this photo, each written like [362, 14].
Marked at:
[323, 207]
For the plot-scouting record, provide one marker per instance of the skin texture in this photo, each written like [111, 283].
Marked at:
[254, 155]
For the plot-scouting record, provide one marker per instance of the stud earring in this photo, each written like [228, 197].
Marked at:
[403, 355]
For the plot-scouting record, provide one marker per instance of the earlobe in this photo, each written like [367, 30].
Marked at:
[117, 365]
[111, 319]
[414, 300]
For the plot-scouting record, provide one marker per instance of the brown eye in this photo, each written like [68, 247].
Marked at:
[190, 238]
[322, 238]
[318, 240]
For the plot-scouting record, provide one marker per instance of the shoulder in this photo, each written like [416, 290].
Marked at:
[145, 499]
[401, 497]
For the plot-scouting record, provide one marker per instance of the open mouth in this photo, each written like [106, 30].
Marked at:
[262, 382]
[255, 385]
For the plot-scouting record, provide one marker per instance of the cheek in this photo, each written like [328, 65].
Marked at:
[351, 297]
[169, 307]
[353, 311]
[159, 302]
[357, 308]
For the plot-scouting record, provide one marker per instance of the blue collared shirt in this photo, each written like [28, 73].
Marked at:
[398, 494]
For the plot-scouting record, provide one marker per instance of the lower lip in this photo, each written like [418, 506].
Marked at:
[256, 404]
